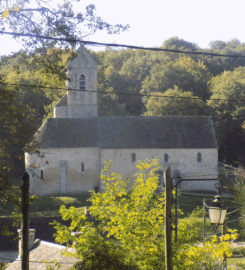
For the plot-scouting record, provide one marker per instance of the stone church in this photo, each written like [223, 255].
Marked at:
[76, 141]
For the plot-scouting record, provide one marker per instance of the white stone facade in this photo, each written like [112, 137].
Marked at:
[62, 171]
[77, 170]
[81, 101]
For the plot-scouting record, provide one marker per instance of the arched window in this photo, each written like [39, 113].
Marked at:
[82, 82]
[41, 174]
[133, 157]
[165, 157]
[199, 157]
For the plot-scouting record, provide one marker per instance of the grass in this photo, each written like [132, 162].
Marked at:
[49, 206]
[188, 202]
[236, 262]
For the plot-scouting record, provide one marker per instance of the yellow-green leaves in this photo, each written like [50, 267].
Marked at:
[5, 14]
[129, 227]
[210, 254]
[16, 9]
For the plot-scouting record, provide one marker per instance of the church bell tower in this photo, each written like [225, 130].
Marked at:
[81, 100]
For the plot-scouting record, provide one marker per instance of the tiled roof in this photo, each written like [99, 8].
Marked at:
[128, 132]
[62, 102]
[44, 251]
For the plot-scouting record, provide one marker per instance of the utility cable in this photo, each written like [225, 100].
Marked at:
[118, 93]
[119, 45]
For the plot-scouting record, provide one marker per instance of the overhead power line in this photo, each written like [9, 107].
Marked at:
[116, 93]
[120, 45]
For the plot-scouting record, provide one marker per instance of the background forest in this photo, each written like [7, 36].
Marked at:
[205, 85]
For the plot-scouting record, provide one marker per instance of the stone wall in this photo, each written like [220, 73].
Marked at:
[65, 171]
[60, 112]
[77, 170]
[183, 161]
[82, 103]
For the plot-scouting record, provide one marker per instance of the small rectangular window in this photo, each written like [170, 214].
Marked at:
[82, 167]
[199, 157]
[165, 157]
[41, 174]
[133, 157]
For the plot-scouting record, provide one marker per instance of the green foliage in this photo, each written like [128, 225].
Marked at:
[188, 105]
[51, 20]
[2, 265]
[54, 265]
[179, 44]
[100, 253]
[186, 73]
[45, 69]
[237, 188]
[240, 265]
[211, 255]
[17, 128]
[229, 85]
[229, 114]
[127, 227]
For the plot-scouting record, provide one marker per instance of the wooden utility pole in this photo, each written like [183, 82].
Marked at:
[224, 228]
[168, 220]
[204, 222]
[25, 223]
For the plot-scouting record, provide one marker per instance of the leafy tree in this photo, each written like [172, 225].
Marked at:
[127, 231]
[61, 22]
[169, 104]
[47, 19]
[108, 104]
[217, 44]
[233, 43]
[217, 65]
[237, 189]
[134, 71]
[179, 44]
[110, 80]
[17, 129]
[35, 73]
[229, 112]
[186, 73]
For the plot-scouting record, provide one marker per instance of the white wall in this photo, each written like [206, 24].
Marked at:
[62, 174]
[60, 112]
[183, 160]
[80, 103]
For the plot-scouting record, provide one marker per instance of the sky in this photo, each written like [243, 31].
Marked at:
[152, 22]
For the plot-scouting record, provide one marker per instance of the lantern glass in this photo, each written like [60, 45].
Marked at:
[217, 215]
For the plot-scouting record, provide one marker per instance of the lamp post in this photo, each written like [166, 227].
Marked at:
[216, 210]
[176, 201]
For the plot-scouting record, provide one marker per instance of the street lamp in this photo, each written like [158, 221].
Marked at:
[176, 201]
[216, 210]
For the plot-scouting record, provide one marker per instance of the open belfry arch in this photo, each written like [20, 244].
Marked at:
[76, 142]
